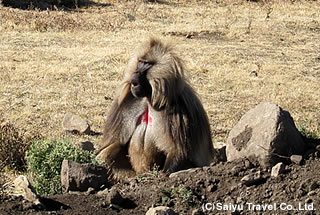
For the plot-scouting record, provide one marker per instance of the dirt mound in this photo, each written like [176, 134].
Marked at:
[219, 189]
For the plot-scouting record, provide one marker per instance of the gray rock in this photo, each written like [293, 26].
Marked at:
[297, 159]
[277, 169]
[22, 187]
[90, 191]
[183, 172]
[80, 177]
[103, 192]
[267, 133]
[252, 179]
[221, 151]
[114, 197]
[75, 123]
[160, 210]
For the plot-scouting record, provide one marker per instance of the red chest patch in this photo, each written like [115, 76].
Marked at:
[145, 118]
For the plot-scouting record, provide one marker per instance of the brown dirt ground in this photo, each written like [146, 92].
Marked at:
[298, 186]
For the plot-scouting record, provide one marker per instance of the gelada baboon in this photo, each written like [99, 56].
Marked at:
[156, 118]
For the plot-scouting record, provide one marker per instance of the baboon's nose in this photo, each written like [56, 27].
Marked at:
[134, 82]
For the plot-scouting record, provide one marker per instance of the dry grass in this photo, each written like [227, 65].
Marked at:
[53, 62]
[12, 148]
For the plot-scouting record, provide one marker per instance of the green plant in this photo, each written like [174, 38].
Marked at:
[167, 195]
[182, 192]
[308, 133]
[12, 147]
[153, 173]
[44, 159]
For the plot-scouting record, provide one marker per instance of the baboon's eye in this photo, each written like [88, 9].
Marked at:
[143, 66]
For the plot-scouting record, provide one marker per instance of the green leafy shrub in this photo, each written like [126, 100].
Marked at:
[12, 147]
[44, 159]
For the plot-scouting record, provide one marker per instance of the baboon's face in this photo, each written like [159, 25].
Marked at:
[140, 86]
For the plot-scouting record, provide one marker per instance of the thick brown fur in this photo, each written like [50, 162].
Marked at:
[179, 136]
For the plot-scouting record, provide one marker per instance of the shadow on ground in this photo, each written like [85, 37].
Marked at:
[51, 4]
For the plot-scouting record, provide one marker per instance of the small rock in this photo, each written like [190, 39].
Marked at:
[103, 192]
[183, 172]
[254, 74]
[318, 148]
[248, 164]
[206, 168]
[308, 200]
[114, 197]
[133, 183]
[90, 191]
[314, 186]
[296, 159]
[189, 36]
[160, 210]
[221, 151]
[252, 179]
[197, 212]
[75, 123]
[212, 187]
[80, 177]
[22, 187]
[277, 169]
[236, 170]
[312, 193]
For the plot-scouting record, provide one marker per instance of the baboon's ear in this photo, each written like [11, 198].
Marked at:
[125, 90]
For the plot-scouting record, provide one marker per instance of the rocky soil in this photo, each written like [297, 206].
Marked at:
[237, 186]
[222, 186]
